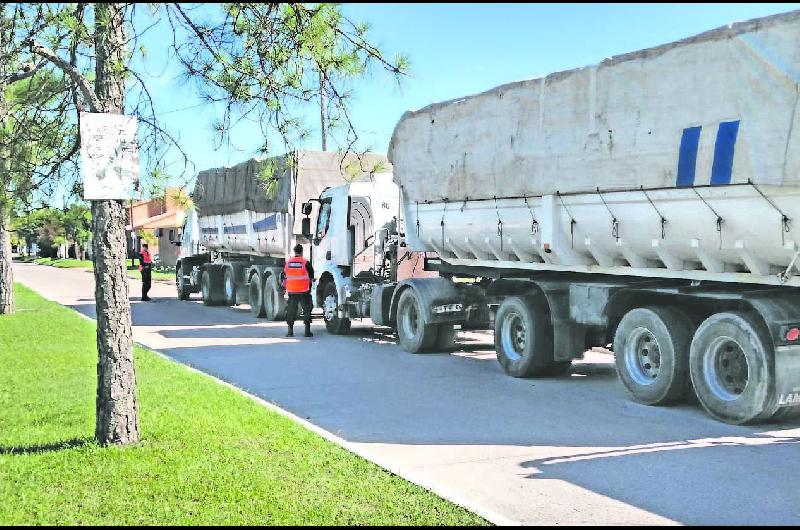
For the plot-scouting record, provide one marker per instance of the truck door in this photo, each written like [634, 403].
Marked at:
[362, 235]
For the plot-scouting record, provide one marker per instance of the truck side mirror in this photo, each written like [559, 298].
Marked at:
[306, 224]
[306, 209]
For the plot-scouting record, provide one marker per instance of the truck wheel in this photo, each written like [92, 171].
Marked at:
[330, 301]
[256, 296]
[651, 350]
[274, 303]
[415, 335]
[445, 337]
[229, 287]
[523, 338]
[731, 365]
[209, 286]
[181, 284]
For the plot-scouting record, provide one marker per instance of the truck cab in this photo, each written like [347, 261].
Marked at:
[191, 255]
[354, 239]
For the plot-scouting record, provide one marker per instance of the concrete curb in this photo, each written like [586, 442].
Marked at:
[445, 493]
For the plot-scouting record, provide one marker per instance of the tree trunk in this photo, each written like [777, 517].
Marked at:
[6, 272]
[117, 407]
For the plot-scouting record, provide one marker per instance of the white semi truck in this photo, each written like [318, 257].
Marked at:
[247, 218]
[651, 202]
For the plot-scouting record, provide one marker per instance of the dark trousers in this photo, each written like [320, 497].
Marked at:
[146, 281]
[304, 300]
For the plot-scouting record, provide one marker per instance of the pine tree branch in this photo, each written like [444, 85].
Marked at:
[73, 73]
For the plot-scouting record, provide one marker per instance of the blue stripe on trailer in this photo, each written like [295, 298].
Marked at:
[235, 229]
[211, 230]
[723, 153]
[268, 223]
[687, 156]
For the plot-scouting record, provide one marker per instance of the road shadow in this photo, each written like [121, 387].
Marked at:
[684, 480]
[165, 311]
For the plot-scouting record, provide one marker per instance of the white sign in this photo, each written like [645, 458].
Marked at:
[109, 156]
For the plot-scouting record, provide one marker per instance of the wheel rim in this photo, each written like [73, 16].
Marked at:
[410, 320]
[229, 285]
[514, 335]
[726, 369]
[255, 299]
[643, 357]
[329, 306]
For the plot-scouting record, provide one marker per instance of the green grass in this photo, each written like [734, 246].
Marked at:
[65, 263]
[208, 455]
[161, 275]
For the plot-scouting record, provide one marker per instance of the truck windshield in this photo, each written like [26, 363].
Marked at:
[324, 219]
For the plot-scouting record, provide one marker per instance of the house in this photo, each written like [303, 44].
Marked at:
[158, 221]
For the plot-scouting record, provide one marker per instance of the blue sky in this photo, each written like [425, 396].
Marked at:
[455, 50]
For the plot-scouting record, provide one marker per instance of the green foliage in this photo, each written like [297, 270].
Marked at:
[269, 61]
[147, 236]
[51, 227]
[269, 174]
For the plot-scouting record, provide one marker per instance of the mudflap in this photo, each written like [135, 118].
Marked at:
[787, 376]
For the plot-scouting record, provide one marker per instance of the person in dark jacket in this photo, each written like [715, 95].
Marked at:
[146, 268]
[298, 276]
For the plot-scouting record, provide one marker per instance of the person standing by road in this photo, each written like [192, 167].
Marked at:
[146, 268]
[298, 277]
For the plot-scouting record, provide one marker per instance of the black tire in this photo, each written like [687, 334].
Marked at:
[523, 338]
[732, 368]
[256, 296]
[210, 286]
[181, 284]
[229, 287]
[274, 302]
[651, 351]
[445, 337]
[414, 334]
[334, 324]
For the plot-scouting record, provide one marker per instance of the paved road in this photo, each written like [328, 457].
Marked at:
[568, 450]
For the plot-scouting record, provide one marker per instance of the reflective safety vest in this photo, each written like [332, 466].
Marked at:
[146, 259]
[297, 280]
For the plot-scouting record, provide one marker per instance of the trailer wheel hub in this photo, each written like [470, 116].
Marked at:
[643, 356]
[514, 335]
[726, 369]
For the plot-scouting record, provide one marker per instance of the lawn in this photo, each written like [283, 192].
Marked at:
[133, 271]
[208, 455]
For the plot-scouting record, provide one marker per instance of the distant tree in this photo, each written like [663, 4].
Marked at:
[77, 221]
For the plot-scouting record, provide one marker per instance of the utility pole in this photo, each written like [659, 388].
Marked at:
[323, 110]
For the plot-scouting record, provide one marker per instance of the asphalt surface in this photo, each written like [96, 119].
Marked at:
[566, 450]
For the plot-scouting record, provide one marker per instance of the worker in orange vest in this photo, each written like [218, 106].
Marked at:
[146, 268]
[298, 276]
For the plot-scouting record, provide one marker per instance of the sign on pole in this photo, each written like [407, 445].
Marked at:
[109, 156]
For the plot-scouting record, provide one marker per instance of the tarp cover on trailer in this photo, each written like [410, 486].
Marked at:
[717, 108]
[228, 190]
